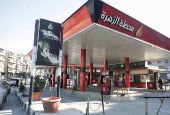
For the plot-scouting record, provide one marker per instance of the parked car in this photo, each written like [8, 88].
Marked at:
[6, 86]
[3, 94]
[13, 81]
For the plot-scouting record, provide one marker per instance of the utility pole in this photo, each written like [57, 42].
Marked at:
[60, 61]
[7, 60]
[33, 62]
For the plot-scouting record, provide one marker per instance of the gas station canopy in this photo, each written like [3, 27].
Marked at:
[110, 35]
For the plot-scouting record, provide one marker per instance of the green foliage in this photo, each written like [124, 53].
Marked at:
[39, 84]
[22, 87]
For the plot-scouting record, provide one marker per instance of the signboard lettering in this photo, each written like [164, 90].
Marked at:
[116, 21]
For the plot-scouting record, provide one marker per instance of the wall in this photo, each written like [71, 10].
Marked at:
[143, 76]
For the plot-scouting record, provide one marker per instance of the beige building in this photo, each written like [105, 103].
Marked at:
[2, 61]
[11, 63]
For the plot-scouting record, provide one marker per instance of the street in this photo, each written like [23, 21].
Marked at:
[12, 105]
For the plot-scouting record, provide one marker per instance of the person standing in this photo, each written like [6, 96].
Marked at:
[17, 83]
[160, 82]
[51, 80]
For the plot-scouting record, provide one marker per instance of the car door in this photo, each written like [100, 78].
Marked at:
[1, 95]
[4, 91]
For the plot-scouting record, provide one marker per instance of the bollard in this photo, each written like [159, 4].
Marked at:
[88, 105]
[102, 102]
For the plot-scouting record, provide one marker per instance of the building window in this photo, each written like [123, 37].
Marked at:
[136, 78]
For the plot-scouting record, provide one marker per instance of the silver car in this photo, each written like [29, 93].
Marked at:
[3, 94]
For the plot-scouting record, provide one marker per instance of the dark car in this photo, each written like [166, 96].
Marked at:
[6, 86]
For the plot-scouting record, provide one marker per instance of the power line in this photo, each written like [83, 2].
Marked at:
[17, 18]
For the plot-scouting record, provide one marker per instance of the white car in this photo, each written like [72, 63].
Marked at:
[3, 95]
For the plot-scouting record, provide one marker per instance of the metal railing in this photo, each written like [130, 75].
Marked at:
[2, 53]
[146, 102]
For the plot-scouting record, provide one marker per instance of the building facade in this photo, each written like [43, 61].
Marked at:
[2, 62]
[11, 64]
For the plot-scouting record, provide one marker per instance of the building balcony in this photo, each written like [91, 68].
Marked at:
[2, 53]
[2, 59]
[12, 55]
[2, 64]
[2, 69]
[11, 61]
[11, 70]
[11, 66]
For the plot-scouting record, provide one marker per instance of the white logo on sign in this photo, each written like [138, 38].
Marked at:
[49, 35]
[50, 26]
[119, 84]
[150, 85]
[104, 89]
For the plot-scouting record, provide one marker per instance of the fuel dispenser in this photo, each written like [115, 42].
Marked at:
[152, 79]
[107, 88]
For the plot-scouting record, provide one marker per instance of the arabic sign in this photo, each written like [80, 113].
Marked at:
[116, 21]
[140, 31]
[48, 43]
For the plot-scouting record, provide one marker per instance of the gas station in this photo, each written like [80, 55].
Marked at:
[100, 36]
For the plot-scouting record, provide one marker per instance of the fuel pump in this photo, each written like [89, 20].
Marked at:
[108, 88]
[156, 74]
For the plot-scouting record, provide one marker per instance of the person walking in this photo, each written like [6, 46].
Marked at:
[160, 82]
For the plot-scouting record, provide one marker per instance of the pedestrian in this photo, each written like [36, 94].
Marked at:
[51, 80]
[17, 83]
[160, 82]
[123, 80]
[109, 87]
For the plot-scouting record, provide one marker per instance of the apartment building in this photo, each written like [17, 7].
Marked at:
[2, 61]
[10, 63]
[23, 63]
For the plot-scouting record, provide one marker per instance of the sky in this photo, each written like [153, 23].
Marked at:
[17, 17]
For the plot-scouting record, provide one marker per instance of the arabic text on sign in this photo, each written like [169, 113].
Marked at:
[116, 20]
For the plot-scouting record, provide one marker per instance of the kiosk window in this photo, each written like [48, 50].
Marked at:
[136, 78]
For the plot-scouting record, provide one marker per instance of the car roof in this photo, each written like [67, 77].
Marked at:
[15, 78]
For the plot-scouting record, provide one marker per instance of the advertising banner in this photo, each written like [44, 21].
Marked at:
[48, 43]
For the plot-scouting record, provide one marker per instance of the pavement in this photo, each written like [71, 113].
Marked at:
[12, 105]
[75, 103]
